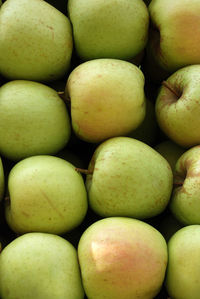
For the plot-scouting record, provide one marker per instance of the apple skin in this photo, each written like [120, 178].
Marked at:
[177, 108]
[184, 203]
[2, 180]
[114, 29]
[39, 54]
[129, 178]
[182, 276]
[33, 120]
[170, 151]
[122, 258]
[42, 266]
[107, 99]
[172, 21]
[46, 194]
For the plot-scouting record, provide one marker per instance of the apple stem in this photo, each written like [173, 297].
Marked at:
[63, 96]
[169, 86]
[84, 171]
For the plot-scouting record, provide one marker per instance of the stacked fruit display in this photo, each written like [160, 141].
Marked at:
[99, 149]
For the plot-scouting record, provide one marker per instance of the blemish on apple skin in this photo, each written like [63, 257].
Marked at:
[25, 214]
[51, 204]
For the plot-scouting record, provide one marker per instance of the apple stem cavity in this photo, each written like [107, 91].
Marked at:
[84, 171]
[170, 87]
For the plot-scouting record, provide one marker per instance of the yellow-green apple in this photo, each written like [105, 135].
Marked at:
[177, 106]
[35, 41]
[2, 180]
[122, 258]
[170, 151]
[42, 266]
[107, 98]
[46, 194]
[33, 120]
[185, 203]
[128, 178]
[148, 129]
[183, 272]
[174, 38]
[109, 29]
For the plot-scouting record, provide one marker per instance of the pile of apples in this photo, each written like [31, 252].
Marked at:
[100, 149]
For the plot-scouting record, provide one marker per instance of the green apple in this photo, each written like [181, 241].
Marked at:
[46, 194]
[174, 39]
[122, 258]
[128, 178]
[2, 180]
[107, 98]
[148, 129]
[185, 203]
[170, 151]
[183, 272]
[33, 120]
[177, 106]
[35, 41]
[113, 29]
[42, 266]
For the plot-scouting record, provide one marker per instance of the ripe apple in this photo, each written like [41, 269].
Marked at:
[2, 180]
[107, 98]
[183, 272]
[174, 38]
[177, 106]
[35, 41]
[33, 120]
[42, 266]
[170, 151]
[185, 203]
[122, 258]
[128, 178]
[109, 29]
[46, 194]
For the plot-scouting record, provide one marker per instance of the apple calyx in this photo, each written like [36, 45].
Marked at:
[84, 171]
[171, 88]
